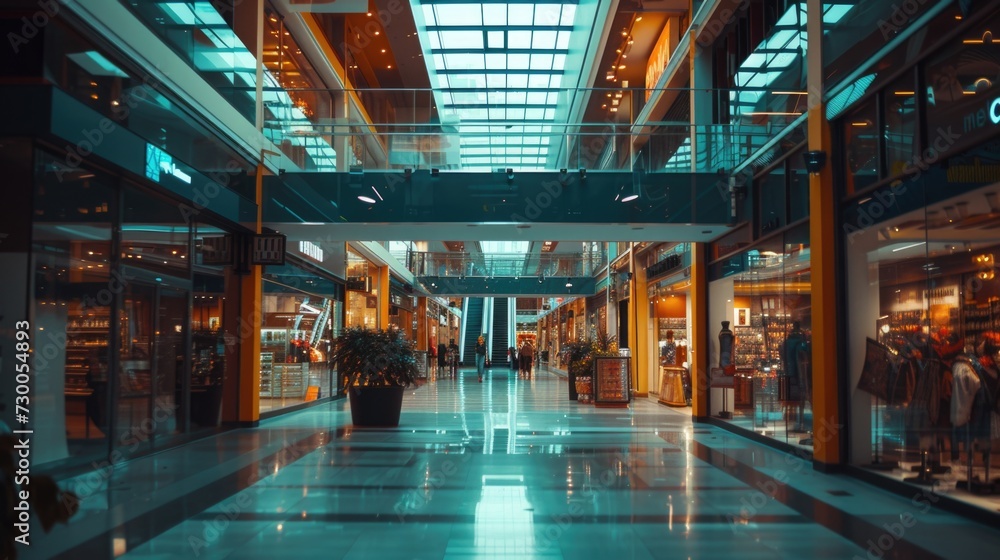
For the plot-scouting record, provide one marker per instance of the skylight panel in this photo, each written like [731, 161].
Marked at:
[518, 61]
[464, 61]
[541, 62]
[537, 97]
[836, 12]
[559, 62]
[517, 97]
[519, 39]
[434, 40]
[517, 80]
[534, 114]
[495, 14]
[496, 61]
[460, 14]
[562, 40]
[520, 14]
[497, 113]
[497, 98]
[430, 18]
[555, 80]
[495, 39]
[496, 80]
[544, 40]
[461, 39]
[538, 80]
[515, 114]
[547, 14]
[793, 16]
[568, 14]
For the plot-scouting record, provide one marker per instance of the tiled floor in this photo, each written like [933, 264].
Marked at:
[504, 469]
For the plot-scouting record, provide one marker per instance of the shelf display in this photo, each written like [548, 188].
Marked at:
[267, 374]
[611, 381]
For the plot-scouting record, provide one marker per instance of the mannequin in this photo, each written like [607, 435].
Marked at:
[795, 372]
[726, 340]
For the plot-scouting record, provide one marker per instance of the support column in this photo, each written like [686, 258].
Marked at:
[640, 327]
[700, 63]
[421, 318]
[698, 341]
[250, 322]
[383, 297]
[827, 433]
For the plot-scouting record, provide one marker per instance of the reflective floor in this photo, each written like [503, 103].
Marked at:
[507, 468]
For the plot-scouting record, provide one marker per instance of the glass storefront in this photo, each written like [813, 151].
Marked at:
[302, 311]
[135, 358]
[923, 330]
[362, 292]
[761, 374]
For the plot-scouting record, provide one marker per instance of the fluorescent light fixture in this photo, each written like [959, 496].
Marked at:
[377, 193]
[897, 249]
[630, 198]
[365, 198]
[96, 64]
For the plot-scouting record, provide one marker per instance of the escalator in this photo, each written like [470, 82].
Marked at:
[499, 339]
[473, 328]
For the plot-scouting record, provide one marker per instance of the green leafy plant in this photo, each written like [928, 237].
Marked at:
[375, 358]
[605, 344]
[580, 356]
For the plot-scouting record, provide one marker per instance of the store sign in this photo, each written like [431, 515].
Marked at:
[268, 249]
[311, 250]
[666, 265]
[660, 55]
[983, 116]
[217, 250]
[159, 163]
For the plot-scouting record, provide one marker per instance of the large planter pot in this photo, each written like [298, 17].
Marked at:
[376, 406]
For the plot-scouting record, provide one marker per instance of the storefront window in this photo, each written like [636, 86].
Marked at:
[924, 334]
[762, 376]
[74, 293]
[861, 147]
[300, 316]
[362, 299]
[899, 123]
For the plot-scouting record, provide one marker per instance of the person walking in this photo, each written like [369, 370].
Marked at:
[442, 356]
[480, 356]
[512, 359]
[453, 358]
[525, 355]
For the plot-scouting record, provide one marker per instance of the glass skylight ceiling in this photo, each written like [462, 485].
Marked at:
[497, 70]
[786, 46]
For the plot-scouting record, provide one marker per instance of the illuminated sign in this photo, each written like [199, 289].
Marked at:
[311, 250]
[660, 55]
[995, 111]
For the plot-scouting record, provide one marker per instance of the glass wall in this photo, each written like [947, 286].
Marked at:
[362, 293]
[921, 278]
[132, 363]
[761, 376]
[301, 317]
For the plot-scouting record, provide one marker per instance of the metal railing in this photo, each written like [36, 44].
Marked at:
[505, 265]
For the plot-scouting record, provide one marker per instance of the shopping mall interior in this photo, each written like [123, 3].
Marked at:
[664, 279]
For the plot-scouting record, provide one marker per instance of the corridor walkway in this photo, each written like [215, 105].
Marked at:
[508, 468]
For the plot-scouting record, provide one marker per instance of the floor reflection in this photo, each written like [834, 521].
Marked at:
[504, 526]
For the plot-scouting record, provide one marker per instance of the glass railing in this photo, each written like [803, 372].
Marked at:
[485, 129]
[461, 264]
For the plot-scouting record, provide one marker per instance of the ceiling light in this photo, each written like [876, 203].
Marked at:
[383, 50]
[569, 283]
[365, 198]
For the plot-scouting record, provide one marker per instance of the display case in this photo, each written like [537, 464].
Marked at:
[289, 380]
[86, 352]
[611, 381]
[267, 374]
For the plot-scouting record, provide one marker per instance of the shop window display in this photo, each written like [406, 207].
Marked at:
[763, 380]
[924, 377]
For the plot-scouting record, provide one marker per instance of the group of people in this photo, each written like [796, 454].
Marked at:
[521, 359]
[448, 358]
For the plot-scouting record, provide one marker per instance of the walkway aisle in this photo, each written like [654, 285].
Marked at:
[511, 468]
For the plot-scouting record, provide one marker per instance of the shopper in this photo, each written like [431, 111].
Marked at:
[453, 358]
[525, 355]
[512, 358]
[480, 356]
[442, 358]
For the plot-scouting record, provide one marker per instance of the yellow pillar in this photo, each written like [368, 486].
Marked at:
[640, 330]
[827, 434]
[698, 338]
[383, 297]
[250, 323]
[421, 315]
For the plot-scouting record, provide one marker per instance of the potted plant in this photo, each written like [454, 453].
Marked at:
[579, 356]
[377, 366]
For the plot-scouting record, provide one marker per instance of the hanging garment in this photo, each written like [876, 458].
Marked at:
[923, 410]
[965, 384]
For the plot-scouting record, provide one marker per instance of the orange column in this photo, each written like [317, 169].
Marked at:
[383, 297]
[250, 322]
[827, 434]
[698, 342]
